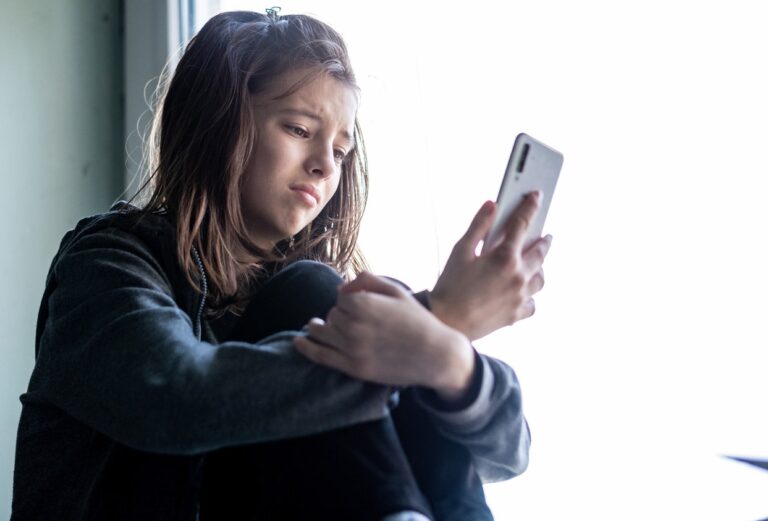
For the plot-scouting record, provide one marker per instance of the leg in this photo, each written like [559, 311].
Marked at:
[443, 468]
[359, 472]
[287, 301]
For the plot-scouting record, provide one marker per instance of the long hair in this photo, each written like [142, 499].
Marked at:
[201, 139]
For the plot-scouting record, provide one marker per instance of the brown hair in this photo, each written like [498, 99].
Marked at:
[201, 140]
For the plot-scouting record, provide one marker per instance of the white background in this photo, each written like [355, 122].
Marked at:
[646, 360]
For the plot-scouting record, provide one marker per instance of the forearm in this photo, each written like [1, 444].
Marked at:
[118, 354]
[173, 394]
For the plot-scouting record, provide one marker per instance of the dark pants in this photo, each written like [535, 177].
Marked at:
[361, 472]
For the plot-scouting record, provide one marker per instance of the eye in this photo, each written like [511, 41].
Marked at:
[297, 131]
[339, 155]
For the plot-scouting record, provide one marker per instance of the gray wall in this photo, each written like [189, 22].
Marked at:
[61, 158]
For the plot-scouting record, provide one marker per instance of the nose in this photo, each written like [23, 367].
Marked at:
[321, 162]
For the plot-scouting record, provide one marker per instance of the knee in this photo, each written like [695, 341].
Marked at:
[288, 299]
[310, 274]
[304, 284]
[310, 266]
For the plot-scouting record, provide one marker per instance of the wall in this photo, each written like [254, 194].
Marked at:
[61, 158]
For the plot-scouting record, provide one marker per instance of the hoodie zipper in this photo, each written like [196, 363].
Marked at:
[198, 331]
[201, 306]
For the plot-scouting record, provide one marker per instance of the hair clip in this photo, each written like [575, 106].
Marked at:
[274, 11]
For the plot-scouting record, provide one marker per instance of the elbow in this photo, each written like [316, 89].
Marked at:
[162, 421]
[515, 461]
[523, 452]
[157, 435]
[511, 468]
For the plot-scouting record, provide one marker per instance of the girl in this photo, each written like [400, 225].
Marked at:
[183, 366]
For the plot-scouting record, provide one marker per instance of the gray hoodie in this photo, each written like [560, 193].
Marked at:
[125, 361]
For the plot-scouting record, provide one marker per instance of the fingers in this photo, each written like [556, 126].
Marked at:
[527, 310]
[366, 303]
[534, 255]
[369, 282]
[536, 283]
[323, 343]
[322, 354]
[516, 227]
[478, 229]
[326, 332]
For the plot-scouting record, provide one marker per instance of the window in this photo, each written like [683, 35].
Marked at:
[646, 359]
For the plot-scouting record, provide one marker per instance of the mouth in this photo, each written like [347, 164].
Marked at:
[308, 193]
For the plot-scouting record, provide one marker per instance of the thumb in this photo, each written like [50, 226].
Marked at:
[477, 230]
[369, 282]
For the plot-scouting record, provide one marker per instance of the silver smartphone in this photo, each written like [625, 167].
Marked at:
[532, 166]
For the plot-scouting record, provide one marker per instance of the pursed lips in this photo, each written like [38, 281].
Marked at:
[308, 189]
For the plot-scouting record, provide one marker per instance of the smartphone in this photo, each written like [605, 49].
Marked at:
[532, 166]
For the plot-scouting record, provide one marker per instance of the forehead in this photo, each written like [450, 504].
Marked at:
[319, 95]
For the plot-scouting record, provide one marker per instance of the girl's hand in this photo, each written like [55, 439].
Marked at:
[379, 333]
[480, 294]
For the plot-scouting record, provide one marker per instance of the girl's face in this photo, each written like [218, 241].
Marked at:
[295, 166]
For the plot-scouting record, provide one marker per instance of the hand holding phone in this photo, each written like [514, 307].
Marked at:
[477, 295]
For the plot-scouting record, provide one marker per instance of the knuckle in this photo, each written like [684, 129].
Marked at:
[333, 316]
[503, 255]
[521, 220]
[534, 257]
[517, 280]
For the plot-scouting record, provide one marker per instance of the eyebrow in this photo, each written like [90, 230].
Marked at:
[311, 115]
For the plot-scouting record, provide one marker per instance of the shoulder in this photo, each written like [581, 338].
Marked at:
[114, 253]
[124, 226]
[123, 243]
[124, 219]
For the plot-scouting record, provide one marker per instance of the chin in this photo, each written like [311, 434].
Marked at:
[296, 228]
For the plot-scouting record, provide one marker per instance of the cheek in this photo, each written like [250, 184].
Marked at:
[333, 188]
[267, 155]
[262, 163]
[336, 182]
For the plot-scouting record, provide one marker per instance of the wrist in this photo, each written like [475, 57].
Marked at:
[440, 309]
[457, 378]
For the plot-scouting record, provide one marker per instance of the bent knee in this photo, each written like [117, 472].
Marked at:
[310, 272]
[305, 284]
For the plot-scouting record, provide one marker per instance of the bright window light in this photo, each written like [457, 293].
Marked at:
[646, 360]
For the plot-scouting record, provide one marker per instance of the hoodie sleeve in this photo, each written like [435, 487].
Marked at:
[489, 421]
[491, 425]
[117, 353]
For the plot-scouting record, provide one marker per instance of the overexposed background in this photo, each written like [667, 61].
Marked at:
[646, 360]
